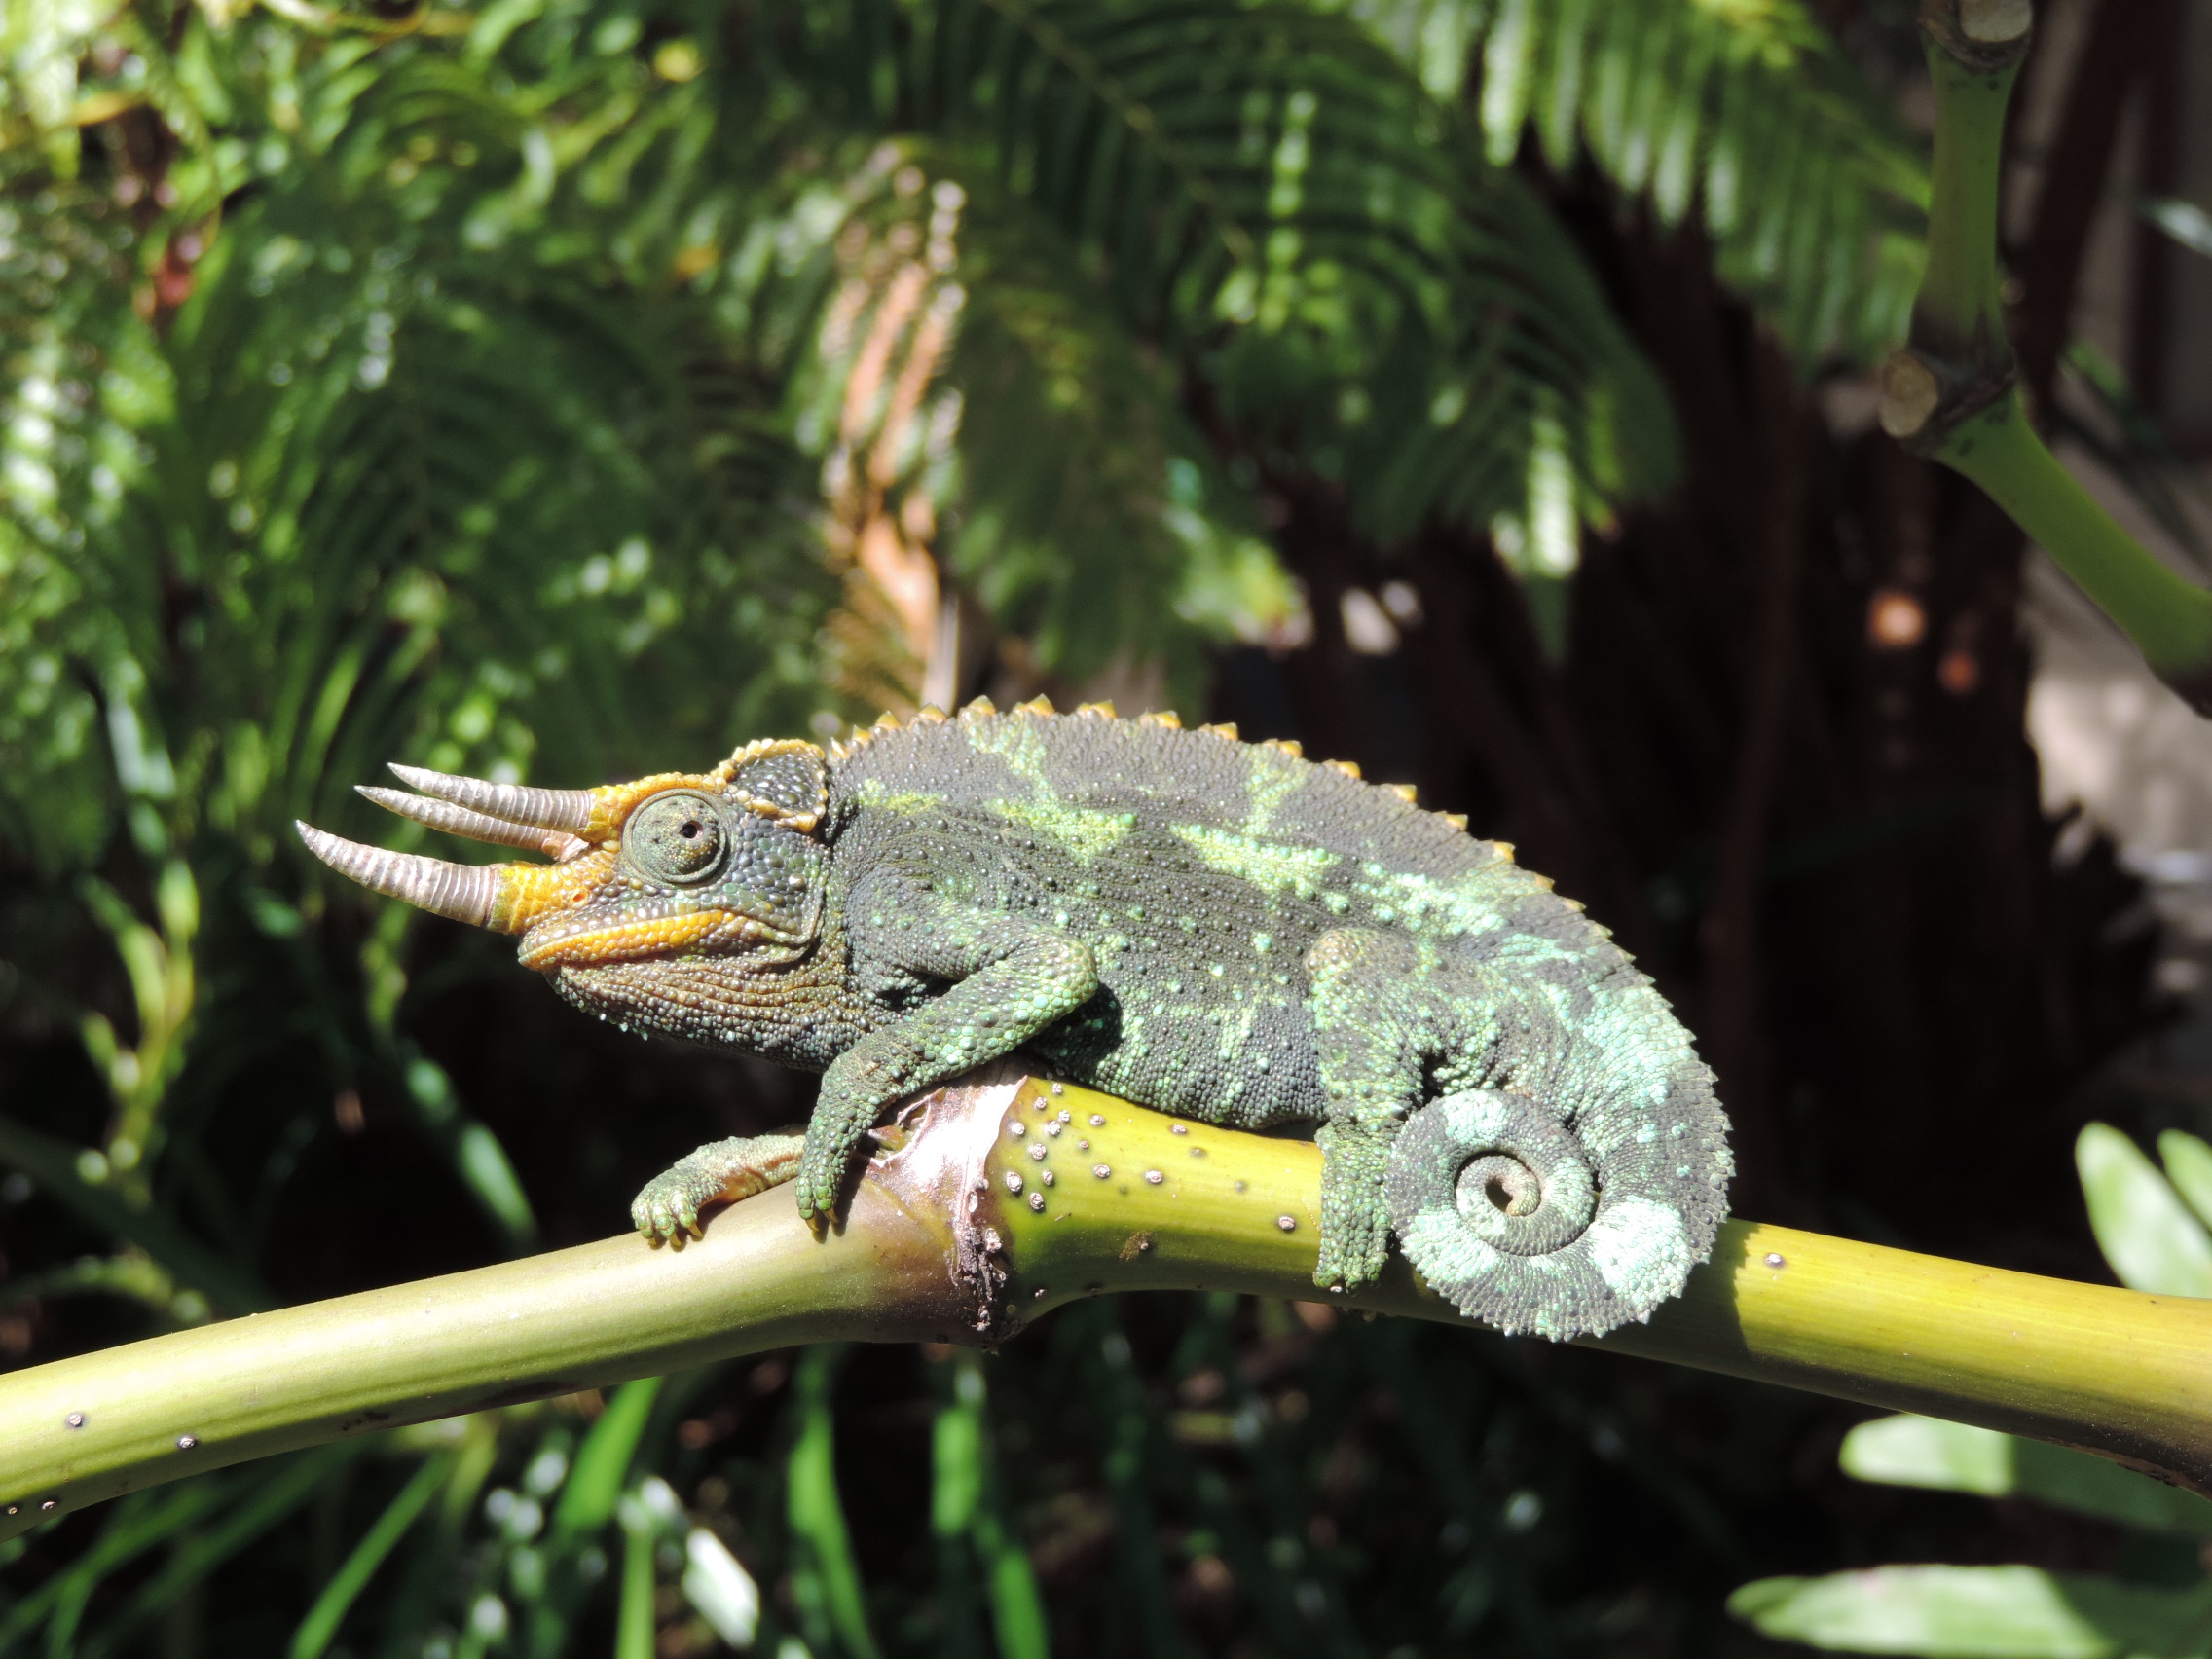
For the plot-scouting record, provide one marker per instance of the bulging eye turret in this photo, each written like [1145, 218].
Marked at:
[677, 839]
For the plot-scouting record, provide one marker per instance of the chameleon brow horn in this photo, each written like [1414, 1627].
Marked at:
[506, 815]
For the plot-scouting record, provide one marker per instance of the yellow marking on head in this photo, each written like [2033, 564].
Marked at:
[612, 803]
[530, 893]
[626, 942]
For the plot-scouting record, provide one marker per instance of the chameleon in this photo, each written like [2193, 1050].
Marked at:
[1219, 930]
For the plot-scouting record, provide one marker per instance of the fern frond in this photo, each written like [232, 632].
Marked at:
[1745, 117]
[1270, 193]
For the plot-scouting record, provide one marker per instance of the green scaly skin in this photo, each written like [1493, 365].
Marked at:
[1217, 929]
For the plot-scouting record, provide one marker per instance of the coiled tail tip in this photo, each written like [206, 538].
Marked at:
[1513, 1219]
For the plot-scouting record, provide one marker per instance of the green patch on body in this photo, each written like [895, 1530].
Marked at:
[1270, 866]
[1084, 834]
[875, 796]
[1269, 780]
[1021, 744]
[1456, 907]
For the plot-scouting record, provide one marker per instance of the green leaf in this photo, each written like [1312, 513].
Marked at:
[1980, 1612]
[827, 1582]
[603, 1462]
[1813, 192]
[272, 1495]
[966, 1498]
[352, 1577]
[717, 1584]
[634, 1616]
[2189, 1166]
[2149, 1235]
[1952, 1457]
[956, 1462]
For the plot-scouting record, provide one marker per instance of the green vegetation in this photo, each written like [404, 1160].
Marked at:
[1952, 393]
[2157, 1233]
[562, 388]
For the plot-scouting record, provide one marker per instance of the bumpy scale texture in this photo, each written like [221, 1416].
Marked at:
[1218, 930]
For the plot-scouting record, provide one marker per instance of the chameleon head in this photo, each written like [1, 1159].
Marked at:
[695, 874]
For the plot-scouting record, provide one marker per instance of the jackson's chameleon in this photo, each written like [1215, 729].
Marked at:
[1218, 930]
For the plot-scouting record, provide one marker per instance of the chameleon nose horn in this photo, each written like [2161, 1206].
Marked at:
[466, 893]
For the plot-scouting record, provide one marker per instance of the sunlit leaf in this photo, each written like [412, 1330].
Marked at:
[1954, 1456]
[1980, 1612]
[2149, 1235]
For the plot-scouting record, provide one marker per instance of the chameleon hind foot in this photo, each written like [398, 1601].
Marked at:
[722, 1171]
[1355, 1223]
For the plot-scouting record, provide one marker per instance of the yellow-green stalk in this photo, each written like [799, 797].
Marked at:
[946, 1241]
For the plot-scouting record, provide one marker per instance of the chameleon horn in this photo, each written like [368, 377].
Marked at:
[464, 892]
[476, 825]
[543, 809]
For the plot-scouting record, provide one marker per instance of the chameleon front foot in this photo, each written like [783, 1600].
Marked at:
[724, 1171]
[821, 1174]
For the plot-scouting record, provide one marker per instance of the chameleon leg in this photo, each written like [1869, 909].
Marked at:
[991, 1012]
[720, 1171]
[1377, 1020]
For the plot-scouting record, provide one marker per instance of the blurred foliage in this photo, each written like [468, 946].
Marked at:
[2157, 1233]
[1743, 117]
[572, 388]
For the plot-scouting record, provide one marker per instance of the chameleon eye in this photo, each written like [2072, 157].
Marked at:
[677, 838]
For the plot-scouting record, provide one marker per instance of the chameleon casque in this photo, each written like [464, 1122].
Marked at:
[1219, 930]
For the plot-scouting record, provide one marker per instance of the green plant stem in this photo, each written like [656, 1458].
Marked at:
[938, 1248]
[1952, 393]
[1960, 304]
[2170, 619]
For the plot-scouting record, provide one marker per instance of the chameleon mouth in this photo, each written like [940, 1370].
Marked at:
[505, 897]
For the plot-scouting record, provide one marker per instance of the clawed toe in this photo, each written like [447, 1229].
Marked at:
[667, 1214]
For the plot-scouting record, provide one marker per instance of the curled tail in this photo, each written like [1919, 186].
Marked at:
[1571, 1210]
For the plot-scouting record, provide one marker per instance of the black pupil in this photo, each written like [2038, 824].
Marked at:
[677, 840]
